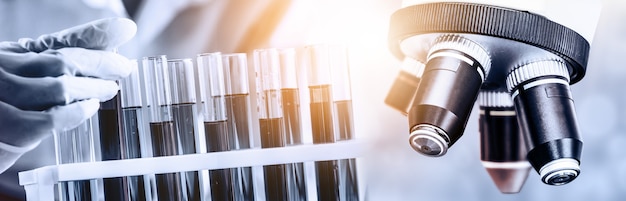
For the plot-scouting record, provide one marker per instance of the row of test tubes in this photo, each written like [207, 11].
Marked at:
[175, 107]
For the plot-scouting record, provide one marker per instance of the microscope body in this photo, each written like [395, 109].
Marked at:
[518, 58]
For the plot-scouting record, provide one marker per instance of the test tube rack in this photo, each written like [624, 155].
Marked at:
[39, 183]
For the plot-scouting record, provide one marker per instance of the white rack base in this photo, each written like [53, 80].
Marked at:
[39, 183]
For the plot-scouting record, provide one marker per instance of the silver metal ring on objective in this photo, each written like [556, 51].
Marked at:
[499, 99]
[467, 46]
[560, 171]
[536, 69]
[537, 83]
[431, 134]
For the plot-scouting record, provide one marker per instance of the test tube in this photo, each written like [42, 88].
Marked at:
[212, 96]
[133, 138]
[75, 146]
[336, 180]
[235, 71]
[292, 120]
[271, 122]
[186, 120]
[111, 139]
[344, 122]
[322, 121]
[162, 130]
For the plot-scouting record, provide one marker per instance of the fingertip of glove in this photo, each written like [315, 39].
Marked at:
[69, 116]
[121, 30]
[130, 66]
[90, 107]
[111, 89]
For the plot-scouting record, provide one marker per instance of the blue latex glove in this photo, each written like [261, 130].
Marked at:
[55, 82]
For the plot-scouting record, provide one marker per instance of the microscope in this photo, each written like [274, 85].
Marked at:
[515, 59]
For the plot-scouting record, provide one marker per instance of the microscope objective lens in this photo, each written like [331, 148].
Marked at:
[540, 91]
[427, 140]
[561, 178]
[502, 145]
[437, 123]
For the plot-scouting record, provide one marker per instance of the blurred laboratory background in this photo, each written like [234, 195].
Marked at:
[389, 168]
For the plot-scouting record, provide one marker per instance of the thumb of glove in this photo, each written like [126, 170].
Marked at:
[103, 34]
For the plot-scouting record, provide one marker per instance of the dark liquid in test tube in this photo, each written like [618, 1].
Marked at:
[111, 139]
[238, 117]
[164, 143]
[183, 115]
[136, 187]
[238, 114]
[291, 112]
[293, 136]
[272, 135]
[322, 128]
[217, 140]
[348, 166]
[322, 115]
[344, 117]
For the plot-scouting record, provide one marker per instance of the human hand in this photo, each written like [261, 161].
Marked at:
[55, 82]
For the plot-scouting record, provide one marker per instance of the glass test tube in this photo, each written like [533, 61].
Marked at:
[162, 130]
[321, 120]
[185, 113]
[75, 146]
[335, 179]
[212, 96]
[344, 122]
[271, 122]
[291, 115]
[111, 139]
[235, 71]
[133, 138]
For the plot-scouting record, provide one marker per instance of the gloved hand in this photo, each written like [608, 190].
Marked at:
[55, 82]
